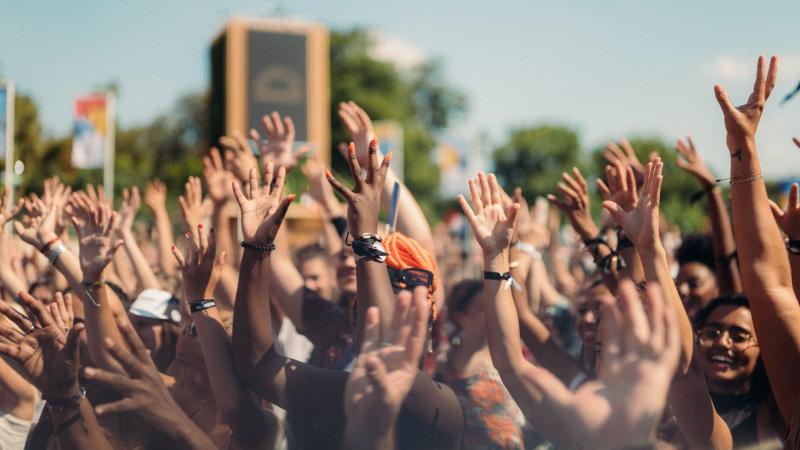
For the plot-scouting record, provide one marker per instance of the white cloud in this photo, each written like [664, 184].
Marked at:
[395, 50]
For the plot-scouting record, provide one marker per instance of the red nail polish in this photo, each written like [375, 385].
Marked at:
[373, 142]
[200, 226]
[328, 173]
[389, 157]
[351, 148]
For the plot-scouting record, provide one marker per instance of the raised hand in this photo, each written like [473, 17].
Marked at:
[239, 159]
[191, 203]
[7, 210]
[131, 202]
[385, 371]
[622, 408]
[143, 391]
[200, 268]
[263, 206]
[95, 224]
[621, 188]
[47, 345]
[319, 187]
[492, 225]
[641, 222]
[364, 200]
[741, 122]
[218, 180]
[693, 163]
[626, 156]
[574, 204]
[359, 126]
[279, 143]
[41, 228]
[155, 196]
[788, 219]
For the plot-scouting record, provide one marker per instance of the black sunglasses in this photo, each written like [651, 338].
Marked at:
[410, 278]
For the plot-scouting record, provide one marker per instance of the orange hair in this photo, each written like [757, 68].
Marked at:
[406, 253]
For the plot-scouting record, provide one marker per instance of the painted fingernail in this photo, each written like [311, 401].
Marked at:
[173, 247]
[389, 156]
[328, 173]
[374, 142]
[200, 226]
[351, 148]
[292, 197]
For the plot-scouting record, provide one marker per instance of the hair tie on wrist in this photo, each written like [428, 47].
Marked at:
[202, 305]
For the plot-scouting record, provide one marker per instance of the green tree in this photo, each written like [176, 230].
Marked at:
[533, 158]
[420, 99]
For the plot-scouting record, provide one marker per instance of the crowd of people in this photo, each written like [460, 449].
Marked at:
[547, 328]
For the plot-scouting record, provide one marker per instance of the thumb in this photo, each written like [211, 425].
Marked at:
[723, 99]
[615, 210]
[777, 213]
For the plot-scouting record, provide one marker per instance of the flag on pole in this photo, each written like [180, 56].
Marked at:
[92, 128]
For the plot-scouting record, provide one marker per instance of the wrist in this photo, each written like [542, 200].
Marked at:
[496, 262]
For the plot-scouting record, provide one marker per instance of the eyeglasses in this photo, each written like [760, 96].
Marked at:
[740, 340]
[410, 278]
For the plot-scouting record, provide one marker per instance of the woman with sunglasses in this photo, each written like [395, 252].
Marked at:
[731, 360]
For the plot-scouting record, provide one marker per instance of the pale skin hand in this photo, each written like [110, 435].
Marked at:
[493, 226]
[131, 202]
[218, 180]
[693, 163]
[359, 125]
[239, 159]
[278, 144]
[42, 226]
[263, 206]
[200, 269]
[621, 188]
[96, 225]
[7, 210]
[640, 355]
[385, 371]
[319, 187]
[191, 203]
[155, 196]
[626, 156]
[641, 222]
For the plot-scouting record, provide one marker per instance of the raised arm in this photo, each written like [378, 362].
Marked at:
[411, 221]
[253, 427]
[144, 273]
[48, 354]
[727, 265]
[372, 278]
[766, 276]
[155, 197]
[698, 420]
[384, 373]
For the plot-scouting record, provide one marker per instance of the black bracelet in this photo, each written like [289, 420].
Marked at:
[368, 246]
[623, 243]
[793, 246]
[202, 305]
[73, 402]
[259, 248]
[497, 276]
[725, 259]
[596, 242]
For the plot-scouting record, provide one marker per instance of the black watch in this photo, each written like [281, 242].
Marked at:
[793, 245]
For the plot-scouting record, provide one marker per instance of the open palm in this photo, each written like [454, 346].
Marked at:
[262, 206]
[641, 222]
[493, 227]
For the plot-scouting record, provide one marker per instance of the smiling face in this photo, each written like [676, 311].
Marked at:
[729, 349]
[588, 313]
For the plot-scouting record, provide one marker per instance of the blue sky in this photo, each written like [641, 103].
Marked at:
[608, 68]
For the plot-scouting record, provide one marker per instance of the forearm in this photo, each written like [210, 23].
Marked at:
[165, 241]
[535, 334]
[373, 288]
[697, 419]
[794, 263]
[222, 228]
[81, 432]
[727, 267]
[144, 273]
[766, 279]
[184, 434]
[656, 269]
[252, 327]
[100, 323]
[502, 322]
[127, 278]
[285, 280]
[233, 400]
[10, 281]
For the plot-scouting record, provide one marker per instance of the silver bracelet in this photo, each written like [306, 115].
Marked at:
[55, 251]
